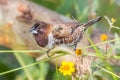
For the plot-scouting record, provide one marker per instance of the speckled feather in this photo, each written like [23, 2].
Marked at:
[69, 34]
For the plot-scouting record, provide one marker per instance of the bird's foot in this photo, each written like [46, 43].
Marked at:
[48, 51]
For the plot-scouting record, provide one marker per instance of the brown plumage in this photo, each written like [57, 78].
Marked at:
[69, 34]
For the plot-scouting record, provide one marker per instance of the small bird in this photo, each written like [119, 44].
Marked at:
[66, 34]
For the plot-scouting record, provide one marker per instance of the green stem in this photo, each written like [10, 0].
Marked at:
[107, 71]
[30, 65]
[98, 53]
[22, 63]
[57, 51]
[101, 43]
[21, 51]
[16, 69]
[57, 73]
[43, 51]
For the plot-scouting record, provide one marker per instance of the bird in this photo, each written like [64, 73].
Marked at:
[67, 34]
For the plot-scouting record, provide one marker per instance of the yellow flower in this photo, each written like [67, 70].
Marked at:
[103, 37]
[67, 68]
[78, 51]
[113, 20]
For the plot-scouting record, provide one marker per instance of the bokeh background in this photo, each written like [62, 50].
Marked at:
[80, 10]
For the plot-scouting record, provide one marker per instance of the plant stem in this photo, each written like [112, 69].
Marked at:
[22, 63]
[102, 43]
[107, 71]
[21, 51]
[30, 65]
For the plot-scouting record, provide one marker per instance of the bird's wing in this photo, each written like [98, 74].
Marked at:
[64, 30]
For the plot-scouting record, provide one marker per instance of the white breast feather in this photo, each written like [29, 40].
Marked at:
[50, 40]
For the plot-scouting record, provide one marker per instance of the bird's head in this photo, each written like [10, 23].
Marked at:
[40, 30]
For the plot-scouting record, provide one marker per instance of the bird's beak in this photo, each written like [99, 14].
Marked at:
[34, 28]
[33, 31]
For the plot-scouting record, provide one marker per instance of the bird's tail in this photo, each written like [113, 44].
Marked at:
[91, 22]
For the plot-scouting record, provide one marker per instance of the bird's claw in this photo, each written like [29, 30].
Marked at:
[48, 52]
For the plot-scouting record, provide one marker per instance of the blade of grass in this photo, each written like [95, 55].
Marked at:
[108, 67]
[107, 71]
[102, 43]
[44, 69]
[13, 70]
[22, 63]
[43, 51]
[111, 49]
[57, 73]
[91, 76]
[98, 53]
[21, 51]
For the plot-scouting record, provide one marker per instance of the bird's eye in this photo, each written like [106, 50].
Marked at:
[34, 27]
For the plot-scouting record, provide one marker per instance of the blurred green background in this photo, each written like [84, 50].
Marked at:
[81, 10]
[84, 10]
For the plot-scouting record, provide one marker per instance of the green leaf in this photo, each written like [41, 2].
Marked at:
[44, 67]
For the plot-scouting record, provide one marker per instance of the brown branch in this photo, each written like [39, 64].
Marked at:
[17, 17]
